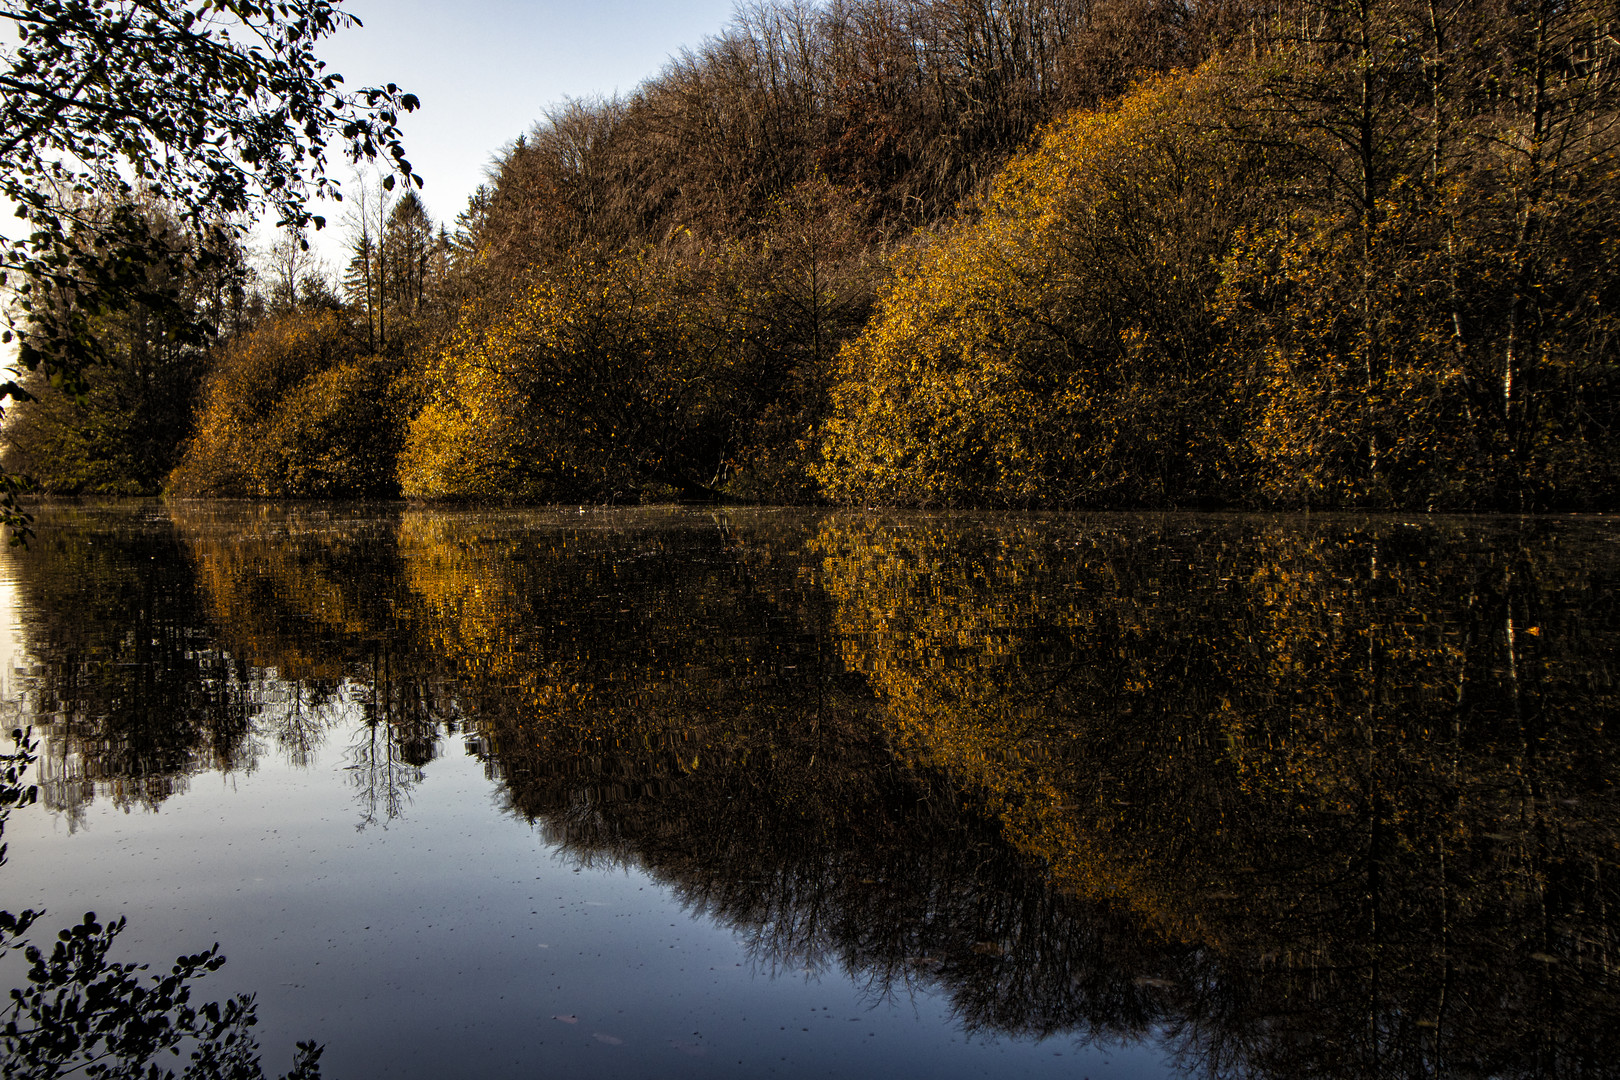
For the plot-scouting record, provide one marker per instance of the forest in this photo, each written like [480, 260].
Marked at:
[938, 253]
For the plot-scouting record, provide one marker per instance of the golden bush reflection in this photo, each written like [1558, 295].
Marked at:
[1313, 795]
[1368, 763]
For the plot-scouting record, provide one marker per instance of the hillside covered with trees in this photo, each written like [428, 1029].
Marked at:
[952, 253]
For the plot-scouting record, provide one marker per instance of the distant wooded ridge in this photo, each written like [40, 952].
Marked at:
[946, 253]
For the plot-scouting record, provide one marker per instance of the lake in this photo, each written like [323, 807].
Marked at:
[692, 792]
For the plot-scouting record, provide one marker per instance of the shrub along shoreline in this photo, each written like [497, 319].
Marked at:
[1306, 255]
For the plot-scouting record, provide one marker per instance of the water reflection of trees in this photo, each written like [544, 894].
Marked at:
[165, 644]
[403, 720]
[665, 695]
[1370, 765]
[128, 689]
[1324, 797]
[316, 595]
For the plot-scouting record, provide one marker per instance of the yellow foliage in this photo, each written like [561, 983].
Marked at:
[1059, 349]
[604, 378]
[294, 409]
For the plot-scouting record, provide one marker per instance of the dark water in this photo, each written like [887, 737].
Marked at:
[647, 793]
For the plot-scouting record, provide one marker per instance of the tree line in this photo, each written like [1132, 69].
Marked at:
[959, 253]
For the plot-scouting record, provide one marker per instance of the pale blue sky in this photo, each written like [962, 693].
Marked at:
[486, 70]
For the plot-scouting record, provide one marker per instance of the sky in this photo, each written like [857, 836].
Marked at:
[487, 70]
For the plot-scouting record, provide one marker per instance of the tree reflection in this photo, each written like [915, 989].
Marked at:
[297, 716]
[1325, 796]
[403, 721]
[1303, 800]
[315, 594]
[128, 690]
[716, 742]
[1325, 752]
[382, 779]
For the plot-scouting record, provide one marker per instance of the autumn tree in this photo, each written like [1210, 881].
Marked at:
[365, 280]
[1065, 348]
[124, 432]
[1432, 297]
[611, 377]
[294, 407]
[289, 263]
[814, 268]
[410, 242]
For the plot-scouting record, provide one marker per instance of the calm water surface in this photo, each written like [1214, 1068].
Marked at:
[746, 793]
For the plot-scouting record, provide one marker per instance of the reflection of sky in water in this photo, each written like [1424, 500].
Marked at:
[453, 942]
[404, 916]
[908, 730]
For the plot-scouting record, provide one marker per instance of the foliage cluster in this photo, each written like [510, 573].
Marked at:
[294, 408]
[1348, 254]
[769, 172]
[1317, 253]
[673, 369]
[121, 433]
[605, 373]
[1059, 349]
[1299, 275]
